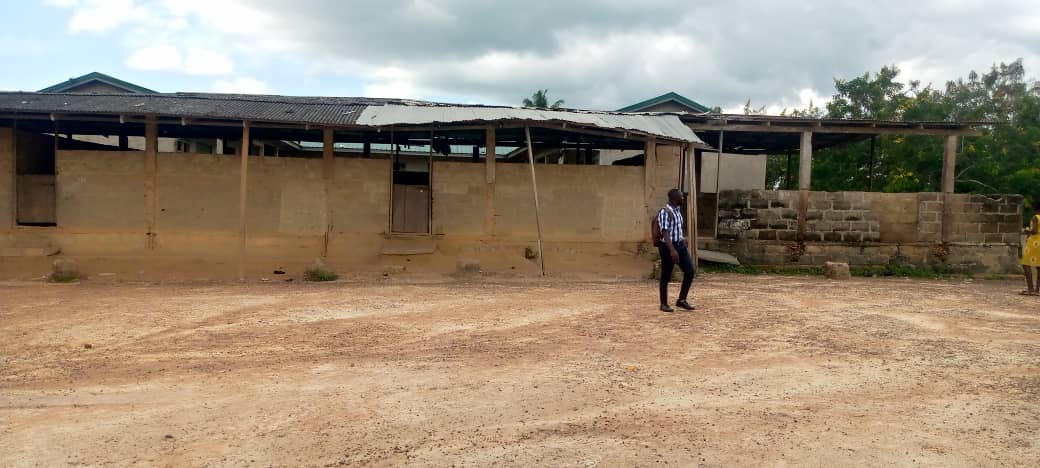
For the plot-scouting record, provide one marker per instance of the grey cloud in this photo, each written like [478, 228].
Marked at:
[717, 52]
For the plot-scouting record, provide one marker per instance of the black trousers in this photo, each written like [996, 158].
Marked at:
[685, 264]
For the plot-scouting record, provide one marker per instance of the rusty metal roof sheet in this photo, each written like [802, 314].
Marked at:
[658, 124]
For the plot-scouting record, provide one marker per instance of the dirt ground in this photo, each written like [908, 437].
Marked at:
[770, 371]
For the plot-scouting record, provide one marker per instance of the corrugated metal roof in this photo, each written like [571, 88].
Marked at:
[788, 119]
[332, 111]
[662, 125]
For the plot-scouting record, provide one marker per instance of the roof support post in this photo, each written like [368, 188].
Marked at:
[489, 177]
[805, 162]
[537, 209]
[949, 174]
[9, 171]
[691, 200]
[718, 182]
[949, 164]
[649, 171]
[804, 181]
[328, 167]
[151, 167]
[870, 166]
[242, 194]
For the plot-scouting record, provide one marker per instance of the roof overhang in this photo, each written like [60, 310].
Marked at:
[758, 134]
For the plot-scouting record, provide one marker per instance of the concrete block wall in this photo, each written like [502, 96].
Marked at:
[197, 193]
[900, 219]
[853, 217]
[982, 231]
[100, 191]
[361, 196]
[984, 219]
[664, 176]
[772, 215]
[578, 203]
[459, 197]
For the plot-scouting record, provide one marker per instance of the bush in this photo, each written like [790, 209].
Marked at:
[319, 271]
[319, 275]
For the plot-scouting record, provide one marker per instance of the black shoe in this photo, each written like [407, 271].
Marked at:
[666, 308]
[685, 305]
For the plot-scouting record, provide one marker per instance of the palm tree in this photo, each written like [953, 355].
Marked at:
[540, 99]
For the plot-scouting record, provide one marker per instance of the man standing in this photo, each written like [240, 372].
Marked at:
[673, 250]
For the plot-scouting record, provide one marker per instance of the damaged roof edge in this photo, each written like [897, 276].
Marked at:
[666, 126]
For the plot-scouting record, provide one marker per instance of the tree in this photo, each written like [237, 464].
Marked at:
[540, 100]
[1004, 159]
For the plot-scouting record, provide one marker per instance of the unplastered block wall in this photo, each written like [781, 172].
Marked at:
[361, 196]
[459, 197]
[578, 203]
[772, 215]
[198, 193]
[900, 217]
[286, 196]
[854, 217]
[7, 179]
[664, 176]
[100, 191]
[841, 217]
[984, 219]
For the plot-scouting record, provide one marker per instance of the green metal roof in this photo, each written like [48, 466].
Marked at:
[671, 96]
[96, 76]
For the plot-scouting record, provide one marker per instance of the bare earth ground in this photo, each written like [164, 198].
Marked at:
[771, 370]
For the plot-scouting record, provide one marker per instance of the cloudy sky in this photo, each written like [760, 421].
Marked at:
[595, 54]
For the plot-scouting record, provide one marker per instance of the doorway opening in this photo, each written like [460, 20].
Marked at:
[35, 179]
[412, 197]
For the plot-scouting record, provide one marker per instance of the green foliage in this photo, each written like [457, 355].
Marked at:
[60, 278]
[903, 271]
[1004, 159]
[319, 275]
[540, 99]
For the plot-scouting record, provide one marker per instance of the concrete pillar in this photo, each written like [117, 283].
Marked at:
[949, 172]
[804, 181]
[489, 189]
[649, 172]
[805, 162]
[151, 169]
[328, 168]
[242, 194]
[219, 148]
[949, 175]
[8, 179]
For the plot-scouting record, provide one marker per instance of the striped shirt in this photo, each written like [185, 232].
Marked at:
[669, 219]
